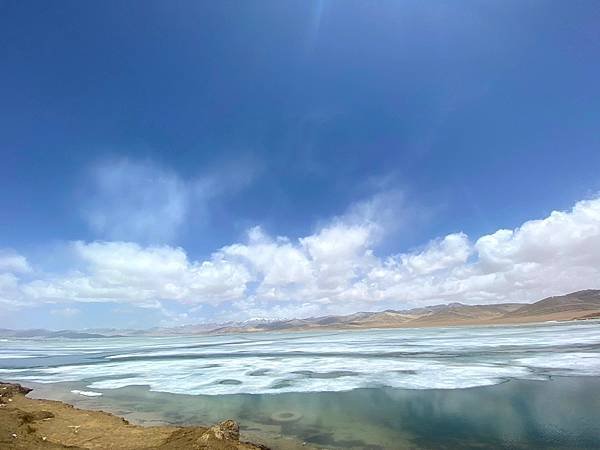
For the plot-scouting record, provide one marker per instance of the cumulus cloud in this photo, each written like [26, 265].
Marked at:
[277, 261]
[558, 254]
[451, 251]
[127, 272]
[333, 270]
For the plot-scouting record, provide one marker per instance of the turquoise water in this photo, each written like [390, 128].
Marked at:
[563, 412]
[495, 387]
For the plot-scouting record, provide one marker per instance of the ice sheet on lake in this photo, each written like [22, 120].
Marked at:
[447, 358]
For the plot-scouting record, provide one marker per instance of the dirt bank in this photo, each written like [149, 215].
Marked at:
[45, 424]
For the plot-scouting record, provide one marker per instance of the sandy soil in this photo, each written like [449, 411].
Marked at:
[45, 424]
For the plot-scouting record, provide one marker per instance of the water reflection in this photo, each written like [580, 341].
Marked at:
[559, 413]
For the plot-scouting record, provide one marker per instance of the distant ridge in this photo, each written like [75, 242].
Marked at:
[577, 301]
[49, 334]
[581, 305]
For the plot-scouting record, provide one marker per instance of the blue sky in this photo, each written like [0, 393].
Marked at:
[175, 162]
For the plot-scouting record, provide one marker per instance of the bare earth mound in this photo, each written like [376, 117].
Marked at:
[44, 424]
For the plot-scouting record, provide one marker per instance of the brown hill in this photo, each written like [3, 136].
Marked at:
[582, 305]
[577, 305]
[577, 302]
[458, 312]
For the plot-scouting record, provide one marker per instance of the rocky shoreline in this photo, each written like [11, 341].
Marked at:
[47, 424]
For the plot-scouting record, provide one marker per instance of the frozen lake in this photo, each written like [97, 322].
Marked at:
[403, 388]
[271, 363]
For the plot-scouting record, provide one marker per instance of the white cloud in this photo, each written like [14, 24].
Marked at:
[141, 201]
[134, 200]
[9, 291]
[278, 261]
[127, 272]
[65, 312]
[558, 254]
[339, 253]
[13, 262]
[441, 254]
[12, 265]
[333, 270]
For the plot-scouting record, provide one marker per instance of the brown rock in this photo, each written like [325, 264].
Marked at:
[227, 429]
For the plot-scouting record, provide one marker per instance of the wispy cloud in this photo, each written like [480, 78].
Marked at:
[142, 201]
[134, 200]
[67, 312]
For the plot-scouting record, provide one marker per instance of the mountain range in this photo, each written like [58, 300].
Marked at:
[581, 305]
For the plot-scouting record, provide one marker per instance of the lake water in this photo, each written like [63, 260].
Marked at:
[473, 387]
